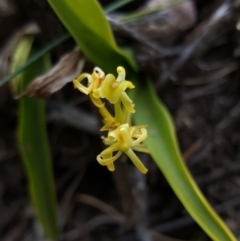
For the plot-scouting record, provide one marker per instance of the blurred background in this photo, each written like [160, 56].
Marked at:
[192, 53]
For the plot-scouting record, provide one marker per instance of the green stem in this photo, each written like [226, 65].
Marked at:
[118, 112]
[106, 115]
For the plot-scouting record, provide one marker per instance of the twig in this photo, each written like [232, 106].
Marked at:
[233, 115]
[222, 14]
[125, 192]
[160, 51]
[71, 116]
[140, 192]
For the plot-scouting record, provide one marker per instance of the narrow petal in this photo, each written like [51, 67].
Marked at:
[129, 84]
[127, 102]
[80, 87]
[97, 102]
[121, 74]
[140, 148]
[136, 161]
[111, 167]
[141, 138]
[110, 149]
[108, 161]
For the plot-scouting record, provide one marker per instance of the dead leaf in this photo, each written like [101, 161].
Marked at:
[68, 68]
[6, 53]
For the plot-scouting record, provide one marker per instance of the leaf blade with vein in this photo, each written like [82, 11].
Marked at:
[33, 144]
[162, 144]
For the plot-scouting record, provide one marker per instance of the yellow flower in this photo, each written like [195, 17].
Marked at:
[114, 89]
[95, 81]
[124, 139]
[121, 138]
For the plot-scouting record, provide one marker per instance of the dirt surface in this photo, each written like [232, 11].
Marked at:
[195, 67]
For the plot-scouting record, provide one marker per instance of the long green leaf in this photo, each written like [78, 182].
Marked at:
[86, 22]
[162, 144]
[33, 143]
[88, 26]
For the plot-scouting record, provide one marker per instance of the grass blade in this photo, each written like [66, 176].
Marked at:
[162, 144]
[33, 143]
[87, 24]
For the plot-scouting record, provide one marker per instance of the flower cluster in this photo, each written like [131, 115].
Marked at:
[122, 137]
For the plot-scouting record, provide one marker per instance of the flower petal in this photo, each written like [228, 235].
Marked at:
[108, 161]
[141, 138]
[136, 161]
[110, 89]
[127, 102]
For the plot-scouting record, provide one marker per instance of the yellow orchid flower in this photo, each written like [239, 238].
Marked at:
[95, 81]
[114, 89]
[124, 139]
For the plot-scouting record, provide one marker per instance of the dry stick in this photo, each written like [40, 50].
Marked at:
[205, 90]
[69, 115]
[168, 227]
[219, 174]
[160, 51]
[125, 191]
[99, 204]
[133, 196]
[210, 143]
[220, 16]
[174, 225]
[140, 193]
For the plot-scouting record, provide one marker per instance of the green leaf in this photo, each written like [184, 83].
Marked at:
[33, 143]
[162, 144]
[86, 22]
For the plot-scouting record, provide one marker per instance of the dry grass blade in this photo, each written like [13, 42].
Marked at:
[90, 200]
[69, 66]
[159, 237]
[213, 76]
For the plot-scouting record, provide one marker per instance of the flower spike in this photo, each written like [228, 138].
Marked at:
[122, 137]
